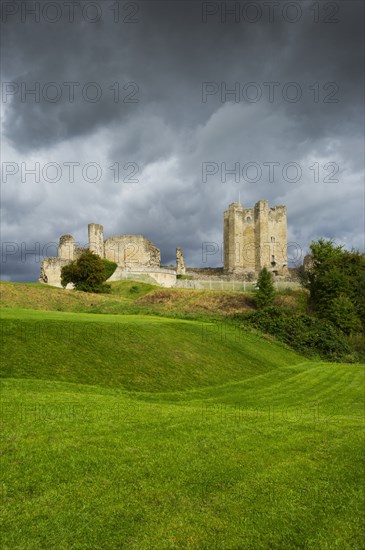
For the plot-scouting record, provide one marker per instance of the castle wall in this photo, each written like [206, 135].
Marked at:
[262, 235]
[96, 238]
[278, 238]
[66, 248]
[51, 271]
[233, 237]
[132, 251]
[161, 276]
[180, 263]
[249, 240]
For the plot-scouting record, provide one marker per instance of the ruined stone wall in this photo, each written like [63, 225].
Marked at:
[132, 251]
[66, 248]
[180, 263]
[51, 271]
[151, 275]
[96, 238]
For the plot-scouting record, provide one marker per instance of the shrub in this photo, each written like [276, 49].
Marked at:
[342, 312]
[109, 268]
[308, 335]
[335, 277]
[88, 273]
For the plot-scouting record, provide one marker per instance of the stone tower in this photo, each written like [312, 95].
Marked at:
[255, 238]
[66, 248]
[96, 238]
[180, 263]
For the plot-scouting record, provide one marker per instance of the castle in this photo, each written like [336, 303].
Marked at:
[133, 254]
[253, 238]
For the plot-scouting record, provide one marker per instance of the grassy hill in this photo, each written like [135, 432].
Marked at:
[48, 298]
[133, 351]
[143, 431]
[132, 297]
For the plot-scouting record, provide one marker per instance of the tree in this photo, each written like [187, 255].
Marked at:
[88, 273]
[342, 313]
[336, 284]
[265, 289]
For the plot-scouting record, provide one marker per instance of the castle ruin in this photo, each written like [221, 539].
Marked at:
[253, 238]
[133, 254]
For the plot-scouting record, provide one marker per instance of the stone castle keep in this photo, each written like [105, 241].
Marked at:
[253, 238]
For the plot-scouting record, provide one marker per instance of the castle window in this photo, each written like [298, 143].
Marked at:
[273, 263]
[248, 219]
[272, 239]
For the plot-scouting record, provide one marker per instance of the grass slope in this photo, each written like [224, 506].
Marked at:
[136, 352]
[274, 461]
[129, 297]
[48, 298]
[135, 431]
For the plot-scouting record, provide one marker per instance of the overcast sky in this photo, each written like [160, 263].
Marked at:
[172, 94]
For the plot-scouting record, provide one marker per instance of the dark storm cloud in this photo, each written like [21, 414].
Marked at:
[169, 131]
[168, 54]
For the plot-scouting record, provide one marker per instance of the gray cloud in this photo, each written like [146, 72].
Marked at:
[170, 131]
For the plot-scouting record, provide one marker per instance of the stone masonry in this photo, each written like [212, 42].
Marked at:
[132, 254]
[180, 263]
[255, 238]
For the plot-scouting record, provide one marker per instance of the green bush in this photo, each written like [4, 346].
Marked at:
[335, 279]
[308, 335]
[342, 312]
[88, 273]
[109, 268]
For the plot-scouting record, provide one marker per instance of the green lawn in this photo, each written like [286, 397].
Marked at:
[133, 351]
[124, 431]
